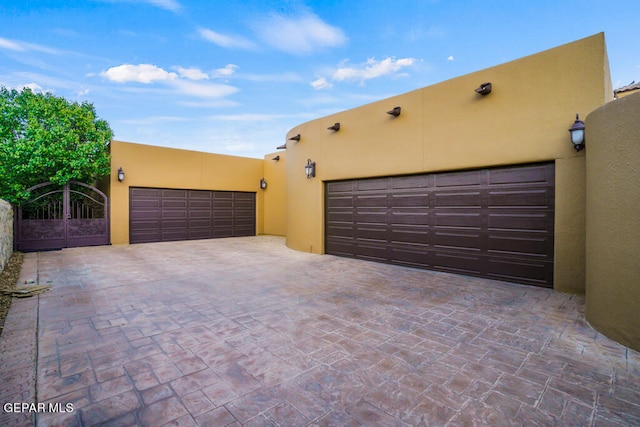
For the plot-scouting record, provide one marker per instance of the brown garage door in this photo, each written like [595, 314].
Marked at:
[495, 223]
[162, 214]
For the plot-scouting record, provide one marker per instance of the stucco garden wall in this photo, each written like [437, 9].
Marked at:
[6, 232]
[613, 220]
[275, 195]
[447, 126]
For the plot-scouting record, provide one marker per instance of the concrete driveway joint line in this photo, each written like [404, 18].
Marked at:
[244, 331]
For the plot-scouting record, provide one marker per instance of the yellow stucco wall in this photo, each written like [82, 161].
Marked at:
[448, 126]
[613, 220]
[275, 195]
[150, 166]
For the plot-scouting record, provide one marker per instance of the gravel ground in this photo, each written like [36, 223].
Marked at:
[8, 279]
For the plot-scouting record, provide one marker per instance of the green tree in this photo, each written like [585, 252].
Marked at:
[47, 138]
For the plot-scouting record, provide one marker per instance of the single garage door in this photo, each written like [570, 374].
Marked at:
[495, 223]
[162, 214]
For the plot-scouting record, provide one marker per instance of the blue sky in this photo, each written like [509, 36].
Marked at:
[233, 77]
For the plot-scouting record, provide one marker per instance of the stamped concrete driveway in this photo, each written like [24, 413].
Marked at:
[247, 332]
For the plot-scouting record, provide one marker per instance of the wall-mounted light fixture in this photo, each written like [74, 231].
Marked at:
[335, 127]
[276, 158]
[120, 175]
[263, 184]
[395, 112]
[484, 89]
[577, 133]
[295, 138]
[310, 169]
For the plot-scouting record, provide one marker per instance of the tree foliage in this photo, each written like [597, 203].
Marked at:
[47, 138]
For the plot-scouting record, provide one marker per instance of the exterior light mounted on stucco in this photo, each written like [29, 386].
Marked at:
[310, 169]
[295, 138]
[335, 127]
[484, 89]
[577, 133]
[395, 112]
[120, 175]
[276, 158]
[263, 184]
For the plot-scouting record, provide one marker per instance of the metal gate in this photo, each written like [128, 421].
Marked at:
[67, 216]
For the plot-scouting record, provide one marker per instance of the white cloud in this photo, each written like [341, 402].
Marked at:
[372, 69]
[192, 73]
[226, 71]
[171, 5]
[225, 40]
[321, 83]
[141, 73]
[22, 46]
[450, 58]
[203, 90]
[302, 35]
[239, 146]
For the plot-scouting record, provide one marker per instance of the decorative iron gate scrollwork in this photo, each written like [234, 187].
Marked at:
[72, 215]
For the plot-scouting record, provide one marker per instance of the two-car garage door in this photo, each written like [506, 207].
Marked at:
[163, 214]
[496, 223]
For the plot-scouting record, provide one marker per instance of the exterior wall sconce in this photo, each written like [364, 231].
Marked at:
[395, 112]
[120, 175]
[484, 89]
[335, 127]
[577, 133]
[310, 169]
[295, 138]
[276, 158]
[263, 184]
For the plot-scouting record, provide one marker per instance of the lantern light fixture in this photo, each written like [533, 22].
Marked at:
[263, 184]
[120, 175]
[577, 133]
[310, 169]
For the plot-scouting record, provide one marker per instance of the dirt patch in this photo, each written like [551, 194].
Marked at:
[8, 279]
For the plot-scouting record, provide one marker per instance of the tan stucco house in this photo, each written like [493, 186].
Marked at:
[475, 175]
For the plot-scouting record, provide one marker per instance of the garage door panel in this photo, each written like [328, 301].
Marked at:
[518, 199]
[409, 200]
[529, 175]
[533, 222]
[170, 214]
[410, 218]
[458, 219]
[410, 182]
[412, 257]
[371, 184]
[372, 252]
[458, 263]
[337, 202]
[520, 245]
[150, 193]
[519, 271]
[459, 199]
[495, 223]
[399, 236]
[457, 179]
[453, 240]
